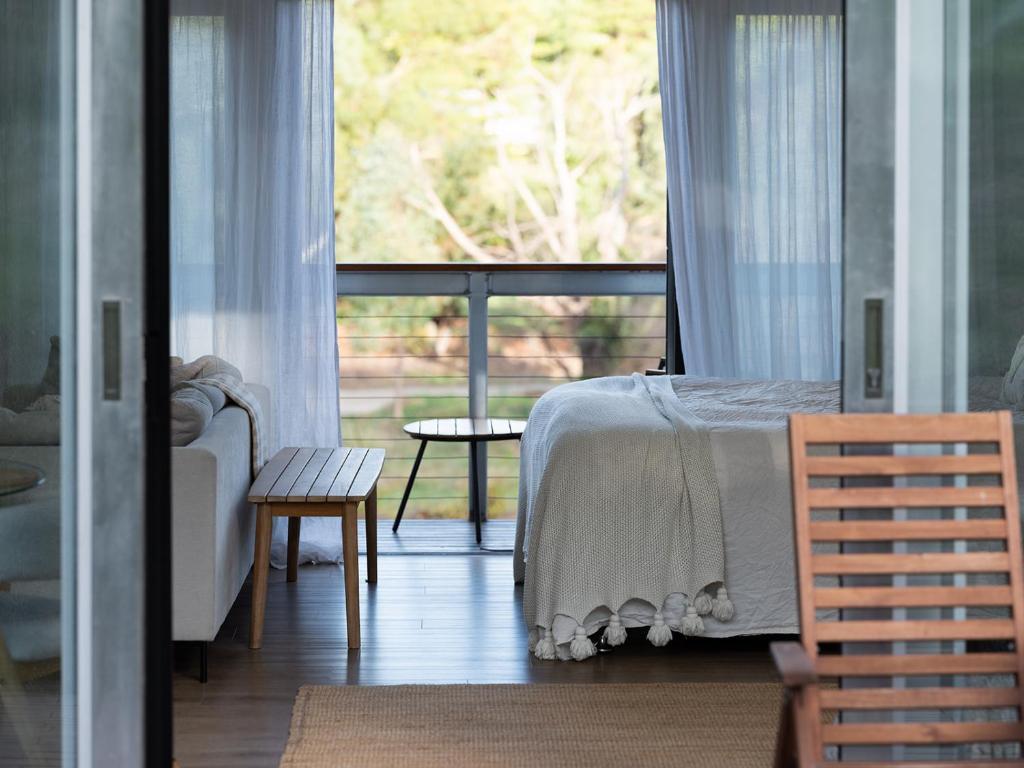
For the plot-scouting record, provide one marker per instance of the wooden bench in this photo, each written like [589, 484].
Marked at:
[324, 482]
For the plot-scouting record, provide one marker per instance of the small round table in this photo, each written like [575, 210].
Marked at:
[470, 431]
[16, 477]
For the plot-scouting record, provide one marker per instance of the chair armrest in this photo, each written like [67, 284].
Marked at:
[794, 665]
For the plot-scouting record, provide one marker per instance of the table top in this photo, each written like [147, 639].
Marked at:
[466, 430]
[16, 477]
[324, 475]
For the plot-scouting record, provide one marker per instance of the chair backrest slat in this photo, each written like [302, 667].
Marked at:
[912, 597]
[881, 665]
[888, 428]
[882, 538]
[923, 562]
[908, 530]
[853, 466]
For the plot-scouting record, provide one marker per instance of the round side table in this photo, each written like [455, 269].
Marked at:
[16, 477]
[470, 431]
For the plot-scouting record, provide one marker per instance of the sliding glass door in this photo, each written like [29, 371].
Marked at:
[72, 443]
[934, 244]
[934, 241]
[38, 489]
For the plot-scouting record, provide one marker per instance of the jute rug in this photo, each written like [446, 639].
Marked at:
[704, 725]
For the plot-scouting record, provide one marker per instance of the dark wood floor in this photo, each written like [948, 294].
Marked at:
[429, 619]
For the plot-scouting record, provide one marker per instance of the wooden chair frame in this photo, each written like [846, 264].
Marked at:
[802, 734]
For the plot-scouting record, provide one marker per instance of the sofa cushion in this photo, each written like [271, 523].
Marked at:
[34, 427]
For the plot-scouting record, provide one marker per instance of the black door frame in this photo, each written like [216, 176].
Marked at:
[158, 715]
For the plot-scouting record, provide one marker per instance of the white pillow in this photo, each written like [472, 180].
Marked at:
[1013, 383]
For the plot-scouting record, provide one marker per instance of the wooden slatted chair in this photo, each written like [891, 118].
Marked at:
[858, 583]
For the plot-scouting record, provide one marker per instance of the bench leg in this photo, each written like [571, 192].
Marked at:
[350, 558]
[408, 485]
[259, 575]
[294, 528]
[370, 510]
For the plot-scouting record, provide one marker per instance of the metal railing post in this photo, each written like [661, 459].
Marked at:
[478, 290]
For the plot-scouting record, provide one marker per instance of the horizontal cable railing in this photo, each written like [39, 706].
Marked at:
[419, 341]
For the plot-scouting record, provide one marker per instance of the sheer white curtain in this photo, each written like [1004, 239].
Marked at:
[752, 104]
[252, 210]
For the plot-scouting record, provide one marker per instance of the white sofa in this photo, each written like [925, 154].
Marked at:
[213, 526]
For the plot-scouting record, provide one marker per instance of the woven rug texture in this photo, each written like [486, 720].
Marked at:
[703, 725]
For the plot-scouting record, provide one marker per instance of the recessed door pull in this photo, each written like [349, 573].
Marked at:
[111, 350]
[874, 380]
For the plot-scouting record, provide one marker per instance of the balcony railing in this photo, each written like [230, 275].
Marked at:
[497, 336]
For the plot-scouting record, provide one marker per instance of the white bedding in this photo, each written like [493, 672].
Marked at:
[747, 425]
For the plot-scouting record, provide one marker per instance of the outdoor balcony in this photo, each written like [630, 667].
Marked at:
[439, 340]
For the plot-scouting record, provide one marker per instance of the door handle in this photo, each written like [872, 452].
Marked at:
[111, 350]
[874, 359]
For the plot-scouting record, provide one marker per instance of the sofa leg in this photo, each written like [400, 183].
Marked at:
[204, 661]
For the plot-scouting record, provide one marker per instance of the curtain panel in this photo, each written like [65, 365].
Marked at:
[752, 104]
[252, 206]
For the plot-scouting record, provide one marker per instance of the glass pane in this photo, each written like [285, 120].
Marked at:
[36, 565]
[934, 238]
[985, 349]
[993, 195]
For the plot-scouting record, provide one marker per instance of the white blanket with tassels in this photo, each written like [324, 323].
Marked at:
[635, 493]
[618, 501]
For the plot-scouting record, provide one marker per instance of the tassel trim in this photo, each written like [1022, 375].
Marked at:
[703, 603]
[692, 624]
[723, 609]
[581, 646]
[545, 650]
[614, 633]
[660, 633]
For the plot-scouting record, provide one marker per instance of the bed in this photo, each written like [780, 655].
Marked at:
[561, 541]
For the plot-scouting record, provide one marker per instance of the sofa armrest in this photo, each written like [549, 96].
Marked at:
[213, 524]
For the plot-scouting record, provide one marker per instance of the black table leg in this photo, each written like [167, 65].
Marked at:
[408, 485]
[474, 490]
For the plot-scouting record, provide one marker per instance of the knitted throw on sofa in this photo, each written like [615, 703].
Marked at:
[618, 501]
[200, 389]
